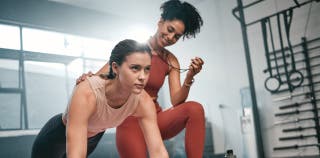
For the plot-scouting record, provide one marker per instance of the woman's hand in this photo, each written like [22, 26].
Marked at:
[83, 77]
[195, 66]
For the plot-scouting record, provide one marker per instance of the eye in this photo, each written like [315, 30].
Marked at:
[147, 69]
[135, 67]
[170, 29]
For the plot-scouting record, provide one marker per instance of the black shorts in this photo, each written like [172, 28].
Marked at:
[51, 140]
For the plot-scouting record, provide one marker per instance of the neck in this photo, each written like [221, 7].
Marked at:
[116, 95]
[155, 49]
[153, 44]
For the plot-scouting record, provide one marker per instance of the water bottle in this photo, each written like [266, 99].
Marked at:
[229, 154]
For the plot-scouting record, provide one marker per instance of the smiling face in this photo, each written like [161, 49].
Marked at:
[169, 32]
[134, 71]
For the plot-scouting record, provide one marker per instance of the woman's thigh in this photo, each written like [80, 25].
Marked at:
[51, 140]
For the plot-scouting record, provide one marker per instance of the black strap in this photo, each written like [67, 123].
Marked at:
[266, 46]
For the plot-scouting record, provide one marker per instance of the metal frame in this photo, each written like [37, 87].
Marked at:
[21, 56]
[241, 18]
[313, 94]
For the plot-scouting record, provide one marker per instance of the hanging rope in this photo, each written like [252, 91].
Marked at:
[307, 22]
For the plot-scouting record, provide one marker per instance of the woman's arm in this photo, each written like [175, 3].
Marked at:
[146, 113]
[81, 107]
[178, 93]
[104, 69]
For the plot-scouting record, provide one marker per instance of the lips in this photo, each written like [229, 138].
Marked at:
[139, 86]
[164, 42]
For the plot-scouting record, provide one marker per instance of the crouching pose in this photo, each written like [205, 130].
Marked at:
[178, 20]
[102, 102]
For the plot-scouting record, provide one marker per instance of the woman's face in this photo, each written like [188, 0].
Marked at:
[134, 71]
[169, 32]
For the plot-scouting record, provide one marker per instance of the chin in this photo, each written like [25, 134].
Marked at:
[163, 43]
[137, 91]
[160, 42]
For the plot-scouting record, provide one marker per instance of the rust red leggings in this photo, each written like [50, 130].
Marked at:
[189, 115]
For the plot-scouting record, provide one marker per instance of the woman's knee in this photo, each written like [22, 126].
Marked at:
[194, 107]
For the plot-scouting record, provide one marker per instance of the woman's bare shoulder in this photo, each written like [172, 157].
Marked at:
[85, 90]
[169, 54]
[145, 97]
[171, 58]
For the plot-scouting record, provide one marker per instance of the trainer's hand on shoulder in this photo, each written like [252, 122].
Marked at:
[83, 77]
[195, 66]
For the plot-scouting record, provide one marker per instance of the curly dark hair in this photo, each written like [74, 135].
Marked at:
[187, 13]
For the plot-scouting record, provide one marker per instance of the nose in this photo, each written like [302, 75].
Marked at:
[142, 75]
[170, 37]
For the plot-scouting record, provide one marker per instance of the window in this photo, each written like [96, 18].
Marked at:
[10, 111]
[46, 91]
[9, 37]
[9, 77]
[64, 44]
[49, 83]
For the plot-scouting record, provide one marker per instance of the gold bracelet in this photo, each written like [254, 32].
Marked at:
[188, 84]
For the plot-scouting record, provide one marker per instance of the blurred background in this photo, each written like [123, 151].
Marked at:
[46, 44]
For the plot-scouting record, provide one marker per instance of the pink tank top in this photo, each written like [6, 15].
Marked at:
[106, 116]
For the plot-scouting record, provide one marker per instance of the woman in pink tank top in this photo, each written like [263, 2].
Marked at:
[103, 102]
[178, 19]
